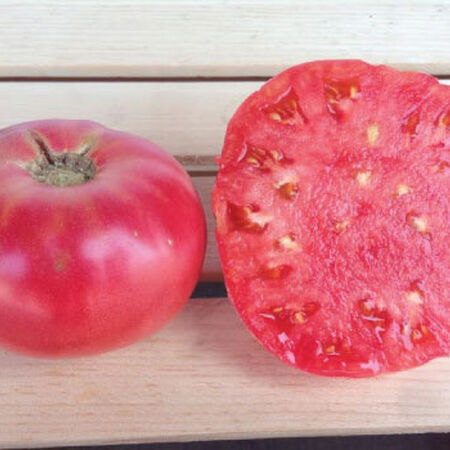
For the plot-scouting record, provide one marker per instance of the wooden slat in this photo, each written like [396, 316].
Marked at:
[188, 119]
[204, 377]
[233, 38]
[212, 269]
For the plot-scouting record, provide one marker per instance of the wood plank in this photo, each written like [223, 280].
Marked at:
[205, 377]
[212, 269]
[188, 119]
[132, 38]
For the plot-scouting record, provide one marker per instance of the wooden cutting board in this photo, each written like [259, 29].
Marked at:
[135, 65]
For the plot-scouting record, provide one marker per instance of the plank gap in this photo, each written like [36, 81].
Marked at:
[168, 79]
[211, 289]
[112, 79]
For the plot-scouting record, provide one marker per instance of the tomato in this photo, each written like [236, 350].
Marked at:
[333, 210]
[102, 238]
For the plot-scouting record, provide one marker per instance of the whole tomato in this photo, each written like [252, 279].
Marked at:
[102, 238]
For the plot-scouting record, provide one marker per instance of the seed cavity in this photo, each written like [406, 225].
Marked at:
[287, 110]
[444, 120]
[337, 92]
[420, 334]
[298, 317]
[275, 116]
[415, 297]
[331, 350]
[276, 272]
[363, 178]
[247, 218]
[342, 226]
[292, 316]
[417, 222]
[306, 311]
[287, 242]
[409, 125]
[417, 334]
[377, 318]
[372, 134]
[287, 190]
[403, 189]
[263, 159]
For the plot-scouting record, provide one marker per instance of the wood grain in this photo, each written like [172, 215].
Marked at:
[133, 38]
[188, 119]
[205, 377]
[212, 269]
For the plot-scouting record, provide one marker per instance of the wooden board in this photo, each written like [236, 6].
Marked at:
[212, 269]
[185, 118]
[205, 377]
[134, 38]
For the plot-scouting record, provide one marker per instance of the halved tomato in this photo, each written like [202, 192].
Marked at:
[333, 210]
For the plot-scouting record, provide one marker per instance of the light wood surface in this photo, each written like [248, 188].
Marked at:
[216, 38]
[185, 118]
[212, 269]
[205, 377]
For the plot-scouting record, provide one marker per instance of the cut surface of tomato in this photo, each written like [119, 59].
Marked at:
[333, 209]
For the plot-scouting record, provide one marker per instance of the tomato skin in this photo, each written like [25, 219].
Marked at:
[95, 266]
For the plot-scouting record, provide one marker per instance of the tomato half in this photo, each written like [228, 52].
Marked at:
[333, 211]
[102, 238]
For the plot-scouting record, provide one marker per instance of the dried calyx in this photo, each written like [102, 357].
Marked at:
[60, 168]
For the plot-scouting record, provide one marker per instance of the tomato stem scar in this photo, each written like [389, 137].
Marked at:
[42, 146]
[61, 168]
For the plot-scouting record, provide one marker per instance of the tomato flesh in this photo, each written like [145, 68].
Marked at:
[94, 266]
[333, 209]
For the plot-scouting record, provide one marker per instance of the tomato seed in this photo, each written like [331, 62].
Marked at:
[288, 191]
[410, 124]
[287, 110]
[276, 272]
[286, 242]
[372, 134]
[247, 218]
